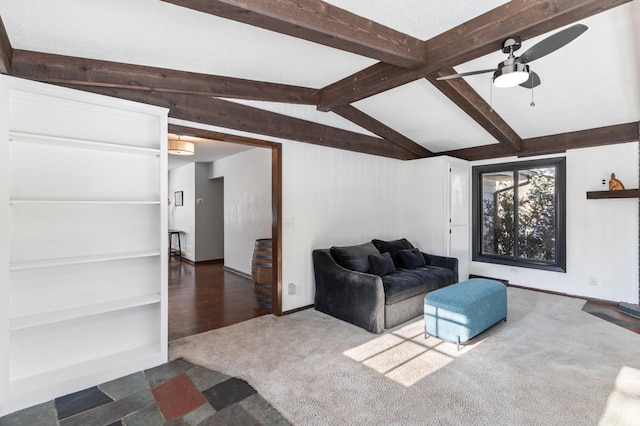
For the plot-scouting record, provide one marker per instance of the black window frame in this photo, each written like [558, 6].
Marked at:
[560, 264]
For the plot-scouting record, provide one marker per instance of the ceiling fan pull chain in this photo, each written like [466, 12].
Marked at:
[532, 104]
[491, 94]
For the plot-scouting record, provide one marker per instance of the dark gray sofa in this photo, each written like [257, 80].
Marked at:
[380, 284]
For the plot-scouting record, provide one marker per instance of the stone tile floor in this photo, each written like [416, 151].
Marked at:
[176, 393]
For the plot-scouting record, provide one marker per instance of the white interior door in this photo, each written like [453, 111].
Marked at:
[459, 217]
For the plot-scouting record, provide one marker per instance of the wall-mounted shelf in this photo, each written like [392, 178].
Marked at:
[79, 260]
[52, 202]
[23, 385]
[625, 193]
[46, 318]
[80, 143]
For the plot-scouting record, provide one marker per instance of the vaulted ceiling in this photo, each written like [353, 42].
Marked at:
[359, 75]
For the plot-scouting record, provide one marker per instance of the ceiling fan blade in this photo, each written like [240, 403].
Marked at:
[464, 74]
[552, 43]
[533, 81]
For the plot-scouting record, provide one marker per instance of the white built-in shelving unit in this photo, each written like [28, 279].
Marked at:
[83, 255]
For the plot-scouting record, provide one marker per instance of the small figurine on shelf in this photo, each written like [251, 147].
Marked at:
[615, 184]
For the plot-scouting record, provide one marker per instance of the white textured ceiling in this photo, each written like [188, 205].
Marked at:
[593, 81]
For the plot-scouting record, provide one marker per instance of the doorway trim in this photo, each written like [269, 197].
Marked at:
[276, 198]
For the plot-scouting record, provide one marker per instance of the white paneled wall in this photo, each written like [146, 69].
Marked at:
[247, 204]
[333, 197]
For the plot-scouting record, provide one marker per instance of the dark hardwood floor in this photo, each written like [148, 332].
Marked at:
[204, 297]
[609, 311]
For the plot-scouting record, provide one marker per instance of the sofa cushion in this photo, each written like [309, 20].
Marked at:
[406, 283]
[411, 259]
[381, 264]
[355, 258]
[393, 247]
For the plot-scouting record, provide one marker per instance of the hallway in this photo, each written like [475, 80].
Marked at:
[204, 297]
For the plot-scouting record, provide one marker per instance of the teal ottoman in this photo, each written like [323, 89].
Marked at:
[460, 312]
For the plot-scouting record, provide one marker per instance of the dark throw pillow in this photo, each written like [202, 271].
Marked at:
[381, 264]
[393, 247]
[411, 259]
[355, 258]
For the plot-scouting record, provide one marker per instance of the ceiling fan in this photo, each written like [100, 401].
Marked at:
[514, 70]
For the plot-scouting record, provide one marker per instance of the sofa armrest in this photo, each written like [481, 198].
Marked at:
[351, 296]
[442, 262]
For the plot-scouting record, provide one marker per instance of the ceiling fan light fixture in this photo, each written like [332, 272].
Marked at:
[510, 74]
[180, 147]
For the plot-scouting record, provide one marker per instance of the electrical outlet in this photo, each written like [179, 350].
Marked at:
[292, 288]
[593, 281]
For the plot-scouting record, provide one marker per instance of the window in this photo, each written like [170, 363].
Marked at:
[518, 214]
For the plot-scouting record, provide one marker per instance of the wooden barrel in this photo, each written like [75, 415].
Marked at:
[261, 265]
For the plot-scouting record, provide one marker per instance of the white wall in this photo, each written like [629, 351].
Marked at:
[200, 218]
[247, 204]
[182, 217]
[602, 235]
[209, 215]
[334, 197]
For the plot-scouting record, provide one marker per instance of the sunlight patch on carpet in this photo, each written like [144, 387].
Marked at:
[624, 401]
[405, 356]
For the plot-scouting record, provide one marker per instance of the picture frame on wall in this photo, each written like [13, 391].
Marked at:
[178, 195]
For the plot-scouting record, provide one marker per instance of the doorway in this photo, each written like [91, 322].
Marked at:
[216, 268]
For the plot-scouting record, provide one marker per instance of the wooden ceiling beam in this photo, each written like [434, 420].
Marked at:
[58, 69]
[231, 115]
[463, 95]
[177, 129]
[6, 51]
[365, 121]
[607, 135]
[473, 39]
[599, 136]
[81, 72]
[321, 23]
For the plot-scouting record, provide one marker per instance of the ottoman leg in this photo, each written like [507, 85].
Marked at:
[458, 347]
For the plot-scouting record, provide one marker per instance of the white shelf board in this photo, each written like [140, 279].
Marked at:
[80, 143]
[65, 374]
[29, 321]
[65, 261]
[105, 202]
